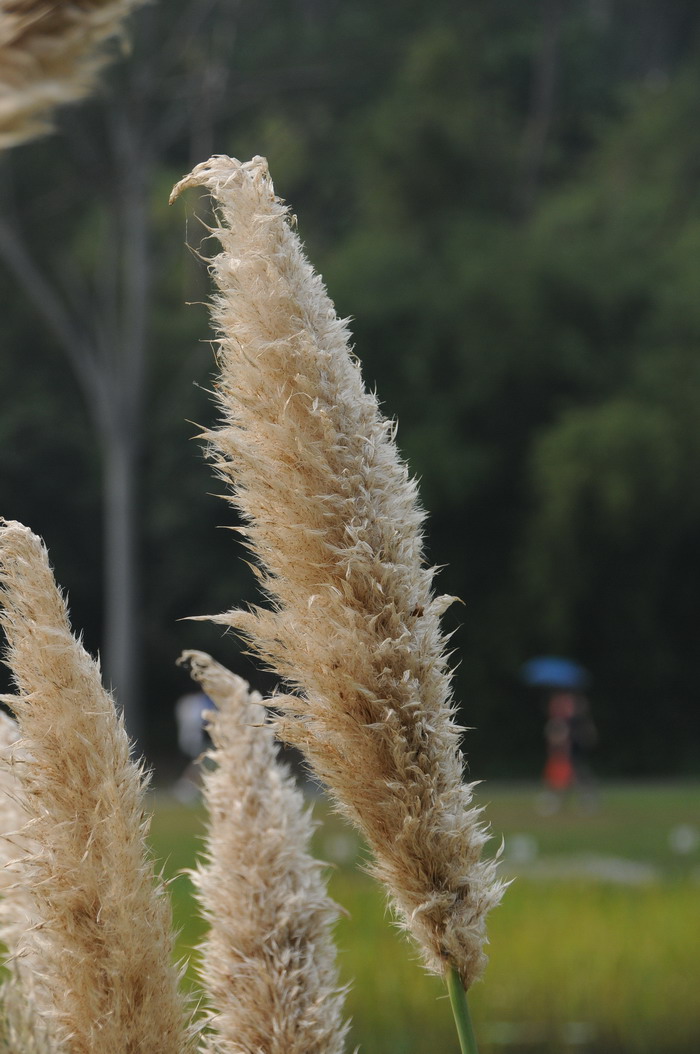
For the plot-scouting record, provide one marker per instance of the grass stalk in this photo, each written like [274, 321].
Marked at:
[333, 519]
[92, 888]
[268, 962]
[460, 1010]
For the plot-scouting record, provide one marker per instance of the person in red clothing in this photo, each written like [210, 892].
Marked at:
[569, 734]
[559, 767]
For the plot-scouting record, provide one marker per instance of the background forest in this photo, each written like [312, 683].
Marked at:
[505, 198]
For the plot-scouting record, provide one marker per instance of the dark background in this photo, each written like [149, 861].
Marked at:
[505, 198]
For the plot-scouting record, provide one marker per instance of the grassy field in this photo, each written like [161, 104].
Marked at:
[593, 951]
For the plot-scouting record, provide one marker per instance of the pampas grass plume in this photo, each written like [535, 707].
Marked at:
[334, 521]
[21, 1029]
[50, 54]
[102, 945]
[15, 906]
[268, 960]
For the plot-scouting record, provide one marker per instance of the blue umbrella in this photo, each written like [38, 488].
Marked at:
[551, 671]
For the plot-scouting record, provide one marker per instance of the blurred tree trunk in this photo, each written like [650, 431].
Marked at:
[100, 319]
[541, 104]
[121, 614]
[104, 338]
[121, 429]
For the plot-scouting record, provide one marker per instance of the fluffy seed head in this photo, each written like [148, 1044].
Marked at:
[333, 519]
[50, 54]
[268, 960]
[101, 949]
[21, 1027]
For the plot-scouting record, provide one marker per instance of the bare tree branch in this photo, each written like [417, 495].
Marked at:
[45, 298]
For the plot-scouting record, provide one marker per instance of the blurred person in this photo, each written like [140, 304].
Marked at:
[193, 740]
[569, 734]
[559, 769]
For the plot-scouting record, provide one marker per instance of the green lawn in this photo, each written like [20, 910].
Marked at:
[593, 951]
[639, 823]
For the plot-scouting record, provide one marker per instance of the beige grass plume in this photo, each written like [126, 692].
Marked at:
[21, 1028]
[268, 961]
[333, 519]
[50, 54]
[16, 910]
[103, 943]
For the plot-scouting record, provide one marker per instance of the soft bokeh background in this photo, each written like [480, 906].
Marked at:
[505, 197]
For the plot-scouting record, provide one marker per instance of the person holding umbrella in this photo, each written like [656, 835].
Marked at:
[569, 730]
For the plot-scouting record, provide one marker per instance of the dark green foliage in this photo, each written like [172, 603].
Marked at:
[504, 197]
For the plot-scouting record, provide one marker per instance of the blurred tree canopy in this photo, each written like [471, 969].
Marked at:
[504, 196]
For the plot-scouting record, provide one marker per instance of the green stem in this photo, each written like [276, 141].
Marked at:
[460, 1009]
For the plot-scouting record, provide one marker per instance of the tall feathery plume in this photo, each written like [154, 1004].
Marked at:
[268, 960]
[16, 912]
[333, 519]
[21, 1028]
[103, 939]
[50, 54]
